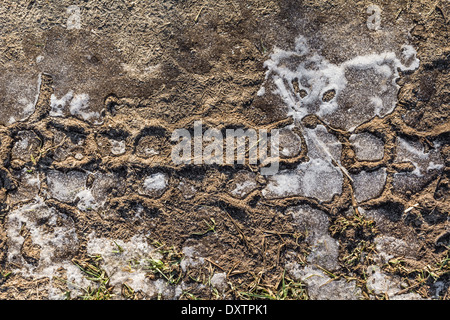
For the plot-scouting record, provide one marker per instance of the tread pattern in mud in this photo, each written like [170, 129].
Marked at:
[87, 178]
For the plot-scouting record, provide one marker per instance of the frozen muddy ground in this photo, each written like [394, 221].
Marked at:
[93, 207]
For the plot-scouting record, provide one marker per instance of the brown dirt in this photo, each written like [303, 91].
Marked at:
[200, 78]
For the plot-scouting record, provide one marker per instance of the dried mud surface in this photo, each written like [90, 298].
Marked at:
[152, 67]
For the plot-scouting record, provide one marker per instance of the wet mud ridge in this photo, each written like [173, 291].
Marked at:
[93, 205]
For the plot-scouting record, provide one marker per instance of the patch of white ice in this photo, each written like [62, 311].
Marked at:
[191, 258]
[77, 104]
[155, 184]
[364, 86]
[369, 184]
[117, 147]
[381, 283]
[74, 20]
[426, 165]
[323, 150]
[129, 264]
[53, 233]
[367, 146]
